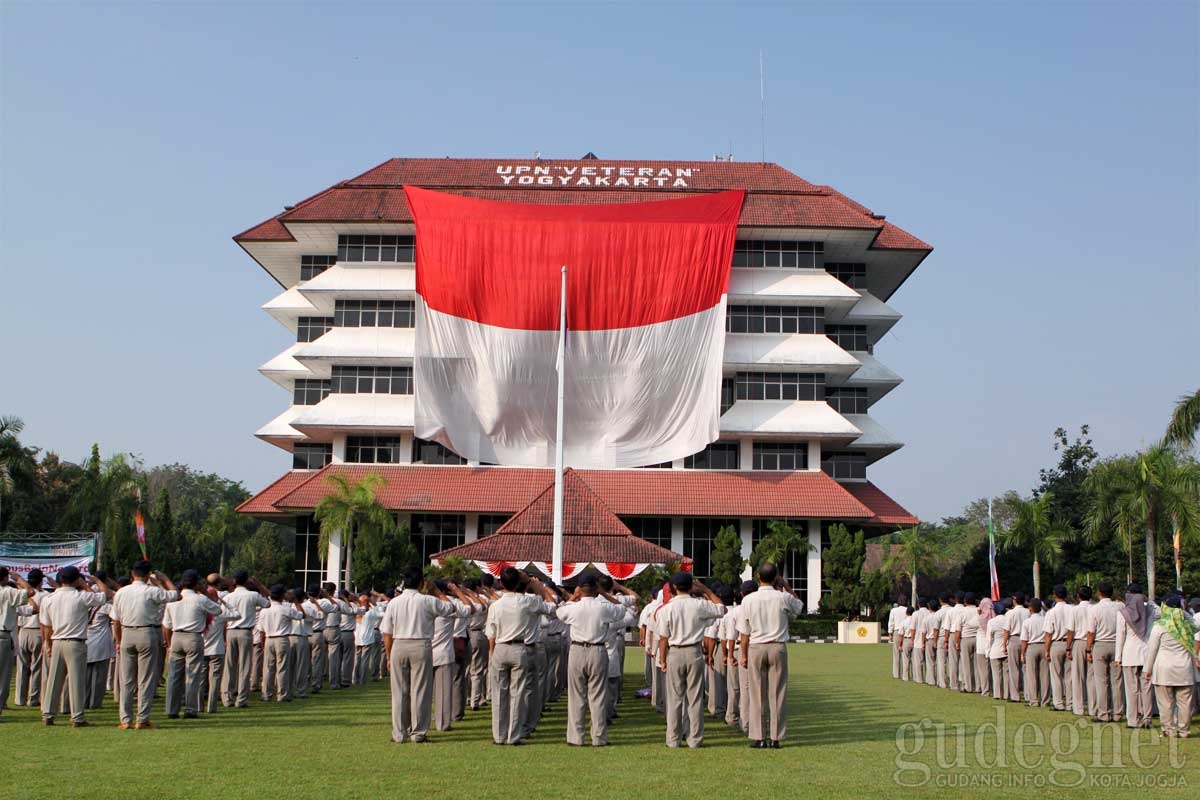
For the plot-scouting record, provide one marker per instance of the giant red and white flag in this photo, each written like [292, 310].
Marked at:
[646, 285]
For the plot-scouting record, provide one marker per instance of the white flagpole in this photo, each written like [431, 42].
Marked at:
[556, 564]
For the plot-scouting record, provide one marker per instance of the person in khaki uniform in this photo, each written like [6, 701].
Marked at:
[12, 598]
[188, 621]
[277, 621]
[1014, 618]
[1033, 656]
[137, 611]
[477, 668]
[243, 604]
[1102, 656]
[589, 613]
[1171, 664]
[29, 646]
[64, 620]
[1082, 698]
[1054, 639]
[764, 636]
[681, 625]
[727, 650]
[511, 619]
[964, 627]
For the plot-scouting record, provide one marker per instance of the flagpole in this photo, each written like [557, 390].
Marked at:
[556, 562]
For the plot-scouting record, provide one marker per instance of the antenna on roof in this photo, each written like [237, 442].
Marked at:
[762, 105]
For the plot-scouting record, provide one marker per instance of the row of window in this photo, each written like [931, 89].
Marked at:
[775, 253]
[372, 380]
[779, 386]
[849, 337]
[775, 319]
[386, 450]
[374, 314]
[358, 247]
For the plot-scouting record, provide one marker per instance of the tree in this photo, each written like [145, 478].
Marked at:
[224, 530]
[454, 568]
[17, 463]
[382, 563]
[353, 511]
[841, 567]
[727, 561]
[267, 553]
[1113, 509]
[1037, 530]
[1185, 422]
[911, 556]
[781, 540]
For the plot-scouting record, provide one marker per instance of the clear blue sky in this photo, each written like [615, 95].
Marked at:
[1047, 151]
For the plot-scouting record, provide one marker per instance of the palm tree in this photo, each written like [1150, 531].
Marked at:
[1185, 422]
[1111, 487]
[353, 511]
[17, 464]
[225, 528]
[1037, 529]
[781, 541]
[911, 556]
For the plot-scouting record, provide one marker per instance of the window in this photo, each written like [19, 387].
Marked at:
[718, 455]
[699, 533]
[373, 449]
[656, 530]
[853, 275]
[806, 255]
[309, 329]
[845, 466]
[312, 266]
[308, 564]
[309, 392]
[311, 456]
[433, 533]
[663, 465]
[775, 319]
[490, 523]
[781, 455]
[849, 337]
[374, 314]
[847, 401]
[795, 571]
[728, 393]
[357, 247]
[425, 452]
[780, 386]
[372, 380]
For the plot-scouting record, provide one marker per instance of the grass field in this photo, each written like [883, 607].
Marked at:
[844, 711]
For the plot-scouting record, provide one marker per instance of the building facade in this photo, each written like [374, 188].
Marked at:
[811, 278]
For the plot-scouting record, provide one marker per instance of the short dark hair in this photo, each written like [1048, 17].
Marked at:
[943, 597]
[3, 573]
[314, 591]
[329, 587]
[1060, 591]
[606, 582]
[970, 598]
[277, 591]
[1019, 598]
[35, 577]
[471, 583]
[124, 580]
[1035, 605]
[1104, 588]
[510, 579]
[1084, 593]
[68, 575]
[683, 581]
[749, 587]
[413, 579]
[141, 568]
[1134, 588]
[241, 577]
[190, 579]
[767, 572]
[488, 580]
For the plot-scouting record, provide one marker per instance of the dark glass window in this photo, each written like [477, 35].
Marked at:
[699, 533]
[490, 523]
[312, 266]
[374, 314]
[357, 247]
[663, 465]
[309, 392]
[425, 452]
[807, 255]
[309, 329]
[372, 380]
[656, 530]
[795, 571]
[847, 400]
[775, 319]
[849, 337]
[780, 386]
[718, 455]
[728, 393]
[433, 533]
[781, 455]
[853, 275]
[845, 466]
[308, 564]
[311, 456]
[372, 449]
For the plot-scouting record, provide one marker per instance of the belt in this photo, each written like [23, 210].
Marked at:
[69, 639]
[285, 636]
[587, 644]
[242, 628]
[552, 635]
[677, 646]
[516, 642]
[140, 626]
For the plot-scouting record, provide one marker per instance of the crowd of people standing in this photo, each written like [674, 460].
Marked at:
[1094, 657]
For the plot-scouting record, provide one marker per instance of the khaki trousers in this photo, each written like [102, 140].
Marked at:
[943, 664]
[462, 678]
[239, 654]
[258, 649]
[612, 694]
[301, 658]
[768, 687]
[214, 671]
[897, 655]
[918, 664]
[685, 695]
[557, 648]
[999, 680]
[1060, 671]
[509, 670]
[347, 653]
[1175, 708]
[966, 665]
[983, 673]
[1013, 668]
[1106, 682]
[587, 692]
[1139, 706]
[1080, 704]
[478, 670]
[137, 673]
[277, 669]
[97, 679]
[29, 666]
[906, 655]
[68, 665]
[185, 665]
[658, 689]
[318, 660]
[744, 705]
[333, 656]
[411, 663]
[443, 696]
[952, 659]
[1037, 675]
[733, 693]
[535, 685]
[718, 697]
[931, 673]
[8, 654]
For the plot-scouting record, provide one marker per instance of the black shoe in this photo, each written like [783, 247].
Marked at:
[172, 716]
[517, 743]
[757, 744]
[191, 716]
[775, 744]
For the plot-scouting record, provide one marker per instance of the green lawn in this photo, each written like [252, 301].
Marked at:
[844, 712]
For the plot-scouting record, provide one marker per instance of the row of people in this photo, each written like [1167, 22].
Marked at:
[1106, 660]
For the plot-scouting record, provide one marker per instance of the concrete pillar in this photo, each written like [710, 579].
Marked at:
[339, 448]
[814, 455]
[746, 528]
[745, 454]
[677, 534]
[406, 445]
[333, 561]
[471, 531]
[812, 602]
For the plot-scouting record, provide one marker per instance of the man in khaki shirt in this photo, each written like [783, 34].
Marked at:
[64, 619]
[1102, 656]
[29, 647]
[11, 598]
[137, 611]
[681, 625]
[589, 614]
[764, 637]
[189, 619]
[511, 619]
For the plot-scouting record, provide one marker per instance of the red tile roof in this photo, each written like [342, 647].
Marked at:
[591, 532]
[634, 492]
[775, 197]
[885, 510]
[264, 501]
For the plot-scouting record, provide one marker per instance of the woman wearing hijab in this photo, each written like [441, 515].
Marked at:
[983, 671]
[1133, 628]
[997, 653]
[1171, 665]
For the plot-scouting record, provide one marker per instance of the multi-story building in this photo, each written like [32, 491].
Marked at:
[812, 275]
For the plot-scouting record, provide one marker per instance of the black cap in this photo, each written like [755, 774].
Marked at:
[749, 587]
[588, 580]
[682, 581]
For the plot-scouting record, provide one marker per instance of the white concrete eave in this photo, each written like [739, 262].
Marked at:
[812, 419]
[877, 379]
[357, 346]
[876, 440]
[286, 308]
[284, 368]
[279, 431]
[877, 315]
[354, 282]
[791, 352]
[376, 412]
[809, 287]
